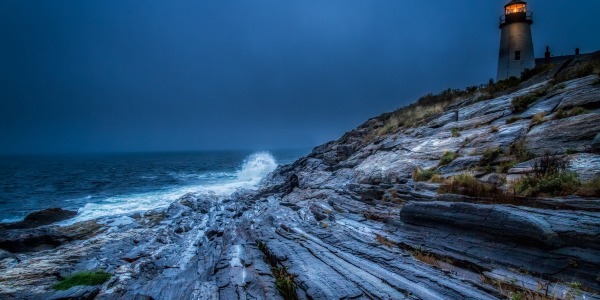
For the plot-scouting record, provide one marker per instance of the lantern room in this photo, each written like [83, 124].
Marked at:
[516, 11]
[515, 7]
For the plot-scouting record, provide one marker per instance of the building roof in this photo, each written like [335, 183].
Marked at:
[515, 2]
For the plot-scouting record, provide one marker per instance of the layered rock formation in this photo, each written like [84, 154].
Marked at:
[349, 221]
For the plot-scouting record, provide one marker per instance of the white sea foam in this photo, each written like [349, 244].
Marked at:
[252, 171]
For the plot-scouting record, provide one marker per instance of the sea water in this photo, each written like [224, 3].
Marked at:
[97, 185]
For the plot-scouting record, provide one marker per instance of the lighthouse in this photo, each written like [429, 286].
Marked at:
[516, 43]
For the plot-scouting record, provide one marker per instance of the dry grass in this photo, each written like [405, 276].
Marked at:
[384, 241]
[538, 118]
[448, 157]
[455, 132]
[512, 120]
[466, 184]
[514, 291]
[571, 112]
[377, 216]
[425, 257]
[489, 156]
[423, 174]
[437, 178]
[519, 151]
[578, 70]
[551, 178]
[590, 188]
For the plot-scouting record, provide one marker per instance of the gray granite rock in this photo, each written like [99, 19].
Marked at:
[79, 292]
[558, 136]
[349, 222]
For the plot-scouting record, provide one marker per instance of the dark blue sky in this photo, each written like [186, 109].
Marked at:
[95, 76]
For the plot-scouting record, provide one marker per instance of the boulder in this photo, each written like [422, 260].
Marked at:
[546, 105]
[79, 292]
[498, 220]
[588, 96]
[41, 218]
[558, 136]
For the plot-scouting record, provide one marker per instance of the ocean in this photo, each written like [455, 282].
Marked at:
[98, 185]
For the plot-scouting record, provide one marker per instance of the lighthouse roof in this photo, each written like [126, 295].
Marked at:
[512, 2]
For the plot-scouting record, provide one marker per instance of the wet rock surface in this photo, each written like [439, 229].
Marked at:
[41, 218]
[347, 222]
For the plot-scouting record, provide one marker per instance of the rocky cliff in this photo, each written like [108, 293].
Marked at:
[428, 202]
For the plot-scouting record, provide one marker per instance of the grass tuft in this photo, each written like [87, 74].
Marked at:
[423, 174]
[512, 120]
[466, 184]
[489, 156]
[455, 132]
[566, 113]
[82, 278]
[520, 152]
[538, 118]
[448, 157]
[590, 188]
[425, 257]
[384, 241]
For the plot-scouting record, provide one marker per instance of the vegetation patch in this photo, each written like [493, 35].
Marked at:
[448, 157]
[377, 216]
[550, 178]
[538, 118]
[505, 166]
[520, 103]
[423, 174]
[590, 188]
[466, 184]
[82, 278]
[455, 132]
[489, 156]
[571, 112]
[512, 120]
[425, 257]
[494, 129]
[284, 281]
[580, 69]
[519, 151]
[384, 241]
[431, 104]
[513, 291]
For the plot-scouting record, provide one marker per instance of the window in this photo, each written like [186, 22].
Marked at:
[517, 55]
[516, 8]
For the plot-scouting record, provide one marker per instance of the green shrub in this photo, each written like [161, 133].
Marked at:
[566, 113]
[538, 69]
[489, 156]
[519, 151]
[549, 178]
[82, 278]
[285, 283]
[590, 188]
[467, 184]
[448, 157]
[577, 71]
[423, 174]
[521, 103]
[505, 166]
[455, 132]
[558, 184]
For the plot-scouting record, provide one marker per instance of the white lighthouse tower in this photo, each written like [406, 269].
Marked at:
[516, 43]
